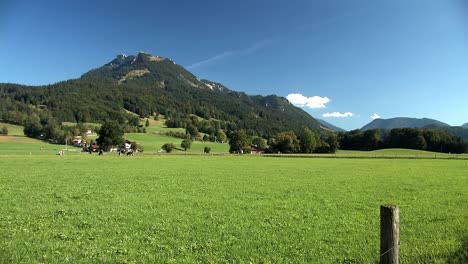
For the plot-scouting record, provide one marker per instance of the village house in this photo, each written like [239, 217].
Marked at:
[77, 141]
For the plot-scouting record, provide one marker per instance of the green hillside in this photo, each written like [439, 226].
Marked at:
[146, 84]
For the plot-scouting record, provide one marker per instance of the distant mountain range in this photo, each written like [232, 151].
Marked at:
[406, 122]
[329, 126]
[399, 122]
[145, 84]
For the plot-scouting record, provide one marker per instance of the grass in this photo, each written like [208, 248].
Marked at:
[153, 143]
[219, 209]
[18, 144]
[13, 130]
[400, 153]
[382, 154]
[34, 147]
[158, 127]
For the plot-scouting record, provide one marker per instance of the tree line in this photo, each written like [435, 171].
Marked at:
[285, 142]
[411, 138]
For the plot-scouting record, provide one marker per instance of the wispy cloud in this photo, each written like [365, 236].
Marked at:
[338, 114]
[311, 102]
[227, 54]
[210, 60]
[374, 116]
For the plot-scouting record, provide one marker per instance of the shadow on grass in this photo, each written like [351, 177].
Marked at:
[461, 255]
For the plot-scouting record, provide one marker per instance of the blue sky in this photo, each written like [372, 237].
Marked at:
[341, 61]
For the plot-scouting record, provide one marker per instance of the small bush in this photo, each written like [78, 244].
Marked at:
[4, 131]
[186, 144]
[168, 147]
[207, 150]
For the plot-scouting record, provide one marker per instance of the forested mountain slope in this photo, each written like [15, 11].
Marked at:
[147, 84]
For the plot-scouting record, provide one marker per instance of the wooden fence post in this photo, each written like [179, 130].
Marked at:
[389, 234]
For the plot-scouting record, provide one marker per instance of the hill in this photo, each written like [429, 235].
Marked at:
[465, 125]
[145, 84]
[456, 131]
[405, 122]
[329, 126]
[402, 122]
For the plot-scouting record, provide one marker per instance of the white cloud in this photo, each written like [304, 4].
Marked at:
[311, 102]
[338, 114]
[374, 116]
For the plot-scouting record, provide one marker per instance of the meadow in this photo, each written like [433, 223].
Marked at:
[16, 143]
[152, 143]
[227, 209]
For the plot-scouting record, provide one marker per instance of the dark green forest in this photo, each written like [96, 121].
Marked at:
[411, 138]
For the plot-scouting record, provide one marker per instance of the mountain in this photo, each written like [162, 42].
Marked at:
[329, 126]
[401, 122]
[405, 122]
[145, 84]
[465, 125]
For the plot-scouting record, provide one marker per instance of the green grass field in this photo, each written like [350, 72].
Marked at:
[227, 209]
[13, 130]
[382, 154]
[18, 144]
[158, 126]
[153, 143]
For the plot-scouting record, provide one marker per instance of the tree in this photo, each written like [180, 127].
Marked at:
[186, 143]
[221, 136]
[309, 141]
[371, 139]
[33, 128]
[147, 123]
[53, 132]
[332, 142]
[133, 121]
[259, 142]
[192, 131]
[5, 131]
[168, 147]
[238, 141]
[156, 117]
[286, 142]
[110, 134]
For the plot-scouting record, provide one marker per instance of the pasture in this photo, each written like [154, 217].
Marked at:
[16, 143]
[158, 127]
[13, 130]
[153, 143]
[227, 209]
